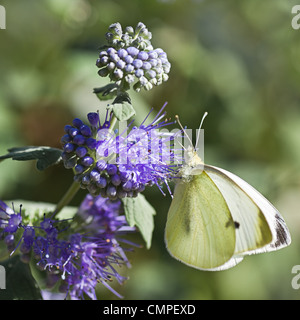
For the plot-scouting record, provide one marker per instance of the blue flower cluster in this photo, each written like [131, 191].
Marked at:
[79, 260]
[130, 58]
[141, 158]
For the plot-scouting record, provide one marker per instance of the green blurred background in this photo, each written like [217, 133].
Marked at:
[238, 60]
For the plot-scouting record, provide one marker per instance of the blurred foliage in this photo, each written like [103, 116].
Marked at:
[238, 60]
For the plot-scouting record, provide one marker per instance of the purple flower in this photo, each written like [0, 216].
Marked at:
[78, 258]
[118, 165]
[10, 221]
[13, 223]
[104, 213]
[91, 258]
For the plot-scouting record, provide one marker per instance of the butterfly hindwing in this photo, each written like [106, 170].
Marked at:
[200, 230]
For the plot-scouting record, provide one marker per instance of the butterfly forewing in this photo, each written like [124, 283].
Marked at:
[200, 230]
[260, 226]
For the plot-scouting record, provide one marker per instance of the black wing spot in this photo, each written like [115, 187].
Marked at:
[281, 235]
[231, 223]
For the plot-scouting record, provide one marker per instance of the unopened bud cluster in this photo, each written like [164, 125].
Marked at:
[130, 58]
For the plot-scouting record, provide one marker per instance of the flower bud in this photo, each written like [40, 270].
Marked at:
[128, 52]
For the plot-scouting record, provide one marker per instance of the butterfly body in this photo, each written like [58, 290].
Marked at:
[216, 218]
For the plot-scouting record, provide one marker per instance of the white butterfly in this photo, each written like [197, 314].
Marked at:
[216, 218]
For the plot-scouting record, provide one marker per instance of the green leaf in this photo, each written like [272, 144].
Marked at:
[123, 111]
[19, 282]
[45, 156]
[38, 209]
[140, 213]
[122, 107]
[106, 92]
[122, 97]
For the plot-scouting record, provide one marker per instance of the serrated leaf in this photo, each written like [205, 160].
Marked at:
[45, 156]
[139, 212]
[19, 282]
[106, 92]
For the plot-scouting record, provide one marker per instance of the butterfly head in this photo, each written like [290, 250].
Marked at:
[191, 157]
[193, 163]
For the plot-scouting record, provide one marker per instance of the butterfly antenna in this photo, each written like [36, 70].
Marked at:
[177, 119]
[198, 136]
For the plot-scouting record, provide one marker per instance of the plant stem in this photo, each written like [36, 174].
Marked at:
[74, 188]
[112, 123]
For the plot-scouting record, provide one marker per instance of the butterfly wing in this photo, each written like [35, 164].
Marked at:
[261, 228]
[200, 231]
